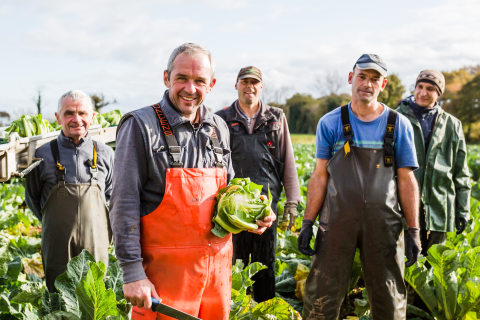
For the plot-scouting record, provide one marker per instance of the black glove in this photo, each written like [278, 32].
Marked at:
[413, 246]
[460, 224]
[306, 234]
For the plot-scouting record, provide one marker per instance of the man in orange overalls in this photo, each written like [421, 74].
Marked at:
[171, 159]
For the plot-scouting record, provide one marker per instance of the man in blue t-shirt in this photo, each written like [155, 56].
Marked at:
[364, 171]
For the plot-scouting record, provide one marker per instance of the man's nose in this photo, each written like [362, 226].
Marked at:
[190, 87]
[76, 118]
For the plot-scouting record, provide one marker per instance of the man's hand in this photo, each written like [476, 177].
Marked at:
[413, 246]
[139, 293]
[290, 209]
[460, 224]
[266, 223]
[306, 234]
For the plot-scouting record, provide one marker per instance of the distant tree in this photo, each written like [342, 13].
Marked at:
[99, 102]
[302, 113]
[332, 82]
[272, 94]
[393, 92]
[465, 106]
[38, 102]
[473, 70]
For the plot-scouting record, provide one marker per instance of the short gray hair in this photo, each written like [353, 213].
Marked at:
[190, 49]
[75, 95]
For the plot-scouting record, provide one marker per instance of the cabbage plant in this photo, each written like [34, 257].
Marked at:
[239, 206]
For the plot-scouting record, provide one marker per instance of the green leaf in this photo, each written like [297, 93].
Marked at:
[51, 302]
[67, 282]
[114, 280]
[28, 292]
[25, 247]
[418, 312]
[418, 277]
[285, 282]
[14, 269]
[469, 296]
[277, 308]
[5, 257]
[96, 303]
[444, 261]
[241, 278]
[471, 263]
[124, 309]
[219, 231]
[356, 272]
[61, 315]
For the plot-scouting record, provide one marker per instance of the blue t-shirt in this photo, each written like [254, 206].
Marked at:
[366, 134]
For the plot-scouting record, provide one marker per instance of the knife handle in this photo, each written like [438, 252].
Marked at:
[155, 304]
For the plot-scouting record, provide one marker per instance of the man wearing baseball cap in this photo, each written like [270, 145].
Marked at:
[262, 151]
[443, 176]
[364, 170]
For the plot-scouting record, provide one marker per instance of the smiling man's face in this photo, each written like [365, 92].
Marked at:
[249, 90]
[189, 82]
[76, 116]
[366, 84]
[426, 94]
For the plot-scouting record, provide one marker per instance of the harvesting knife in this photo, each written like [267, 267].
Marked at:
[158, 306]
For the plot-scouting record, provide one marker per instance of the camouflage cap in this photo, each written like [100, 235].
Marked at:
[250, 72]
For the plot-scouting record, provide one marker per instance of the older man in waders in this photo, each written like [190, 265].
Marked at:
[172, 158]
[262, 151]
[365, 162]
[70, 189]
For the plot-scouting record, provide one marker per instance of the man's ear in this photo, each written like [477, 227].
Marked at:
[236, 86]
[384, 84]
[93, 116]
[211, 85]
[165, 79]
[58, 118]
[350, 77]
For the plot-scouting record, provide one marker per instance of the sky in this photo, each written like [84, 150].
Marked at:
[120, 48]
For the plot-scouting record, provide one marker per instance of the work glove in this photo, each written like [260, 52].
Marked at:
[460, 224]
[413, 246]
[290, 209]
[306, 234]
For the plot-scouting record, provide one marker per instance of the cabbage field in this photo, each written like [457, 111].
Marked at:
[450, 289]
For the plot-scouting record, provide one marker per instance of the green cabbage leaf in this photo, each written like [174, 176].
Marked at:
[240, 205]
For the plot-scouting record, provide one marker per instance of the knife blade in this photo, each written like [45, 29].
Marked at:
[158, 306]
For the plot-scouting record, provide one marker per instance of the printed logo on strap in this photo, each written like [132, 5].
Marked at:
[167, 130]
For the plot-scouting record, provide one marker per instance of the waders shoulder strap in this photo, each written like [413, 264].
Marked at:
[173, 148]
[94, 168]
[347, 129]
[388, 138]
[61, 171]
[217, 149]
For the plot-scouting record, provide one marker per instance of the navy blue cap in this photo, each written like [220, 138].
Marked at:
[371, 61]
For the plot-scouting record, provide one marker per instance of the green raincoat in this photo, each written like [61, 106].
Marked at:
[443, 176]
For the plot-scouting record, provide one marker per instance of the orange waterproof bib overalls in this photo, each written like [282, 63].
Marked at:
[189, 266]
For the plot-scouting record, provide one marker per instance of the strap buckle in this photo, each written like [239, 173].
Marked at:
[219, 155]
[176, 152]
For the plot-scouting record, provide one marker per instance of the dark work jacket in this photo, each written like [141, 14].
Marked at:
[257, 155]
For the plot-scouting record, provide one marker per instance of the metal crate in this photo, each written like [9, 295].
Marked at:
[17, 156]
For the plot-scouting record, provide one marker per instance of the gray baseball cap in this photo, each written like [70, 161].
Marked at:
[371, 61]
